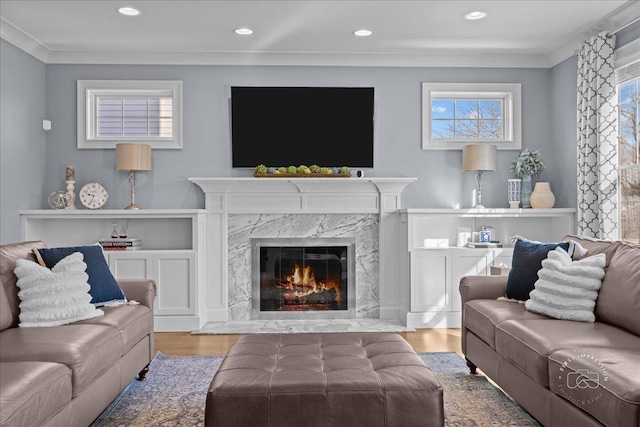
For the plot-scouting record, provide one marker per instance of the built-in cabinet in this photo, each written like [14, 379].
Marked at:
[433, 263]
[171, 254]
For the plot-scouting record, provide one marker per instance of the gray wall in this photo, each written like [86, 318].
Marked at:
[206, 152]
[22, 140]
[562, 164]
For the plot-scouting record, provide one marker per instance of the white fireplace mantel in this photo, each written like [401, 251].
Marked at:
[245, 195]
[302, 195]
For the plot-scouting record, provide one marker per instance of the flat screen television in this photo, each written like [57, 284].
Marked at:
[284, 126]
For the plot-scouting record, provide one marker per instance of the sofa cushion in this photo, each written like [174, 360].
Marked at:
[593, 247]
[88, 350]
[567, 289]
[54, 297]
[133, 321]
[104, 287]
[8, 256]
[482, 315]
[527, 260]
[528, 343]
[604, 382]
[32, 392]
[619, 299]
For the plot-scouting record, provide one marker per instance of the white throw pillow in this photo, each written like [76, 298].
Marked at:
[54, 297]
[567, 289]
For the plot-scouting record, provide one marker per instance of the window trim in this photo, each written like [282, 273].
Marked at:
[510, 92]
[628, 77]
[89, 90]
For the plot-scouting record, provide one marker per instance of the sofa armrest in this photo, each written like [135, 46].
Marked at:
[141, 290]
[482, 287]
[478, 287]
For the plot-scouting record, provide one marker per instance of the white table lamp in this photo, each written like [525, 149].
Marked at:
[479, 158]
[133, 158]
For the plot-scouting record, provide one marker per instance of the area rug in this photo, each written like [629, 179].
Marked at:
[176, 387]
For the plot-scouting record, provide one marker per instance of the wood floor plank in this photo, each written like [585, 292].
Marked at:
[186, 344]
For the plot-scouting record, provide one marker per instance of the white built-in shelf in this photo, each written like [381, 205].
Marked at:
[548, 225]
[159, 229]
[494, 212]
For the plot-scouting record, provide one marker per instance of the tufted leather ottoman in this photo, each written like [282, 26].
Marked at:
[337, 379]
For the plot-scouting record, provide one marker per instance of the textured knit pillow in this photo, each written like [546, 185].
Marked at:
[567, 289]
[104, 287]
[54, 297]
[526, 261]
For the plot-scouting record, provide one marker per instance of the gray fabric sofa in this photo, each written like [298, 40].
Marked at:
[564, 373]
[67, 375]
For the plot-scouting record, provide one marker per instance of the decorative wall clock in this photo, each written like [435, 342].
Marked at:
[93, 195]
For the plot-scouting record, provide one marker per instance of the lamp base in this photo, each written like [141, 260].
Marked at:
[132, 207]
[479, 207]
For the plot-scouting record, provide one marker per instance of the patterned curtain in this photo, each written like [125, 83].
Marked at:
[597, 139]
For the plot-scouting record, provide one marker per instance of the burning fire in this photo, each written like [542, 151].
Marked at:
[301, 284]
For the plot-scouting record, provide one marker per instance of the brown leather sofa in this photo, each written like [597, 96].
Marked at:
[564, 373]
[67, 375]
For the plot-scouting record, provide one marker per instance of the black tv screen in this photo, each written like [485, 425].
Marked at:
[284, 126]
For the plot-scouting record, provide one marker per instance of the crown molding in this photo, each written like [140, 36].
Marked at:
[23, 40]
[615, 19]
[432, 59]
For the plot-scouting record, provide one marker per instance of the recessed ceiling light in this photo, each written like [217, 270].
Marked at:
[473, 16]
[129, 11]
[362, 33]
[243, 31]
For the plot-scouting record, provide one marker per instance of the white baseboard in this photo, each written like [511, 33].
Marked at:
[176, 323]
[443, 319]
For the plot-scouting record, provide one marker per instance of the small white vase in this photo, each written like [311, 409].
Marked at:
[542, 196]
[513, 192]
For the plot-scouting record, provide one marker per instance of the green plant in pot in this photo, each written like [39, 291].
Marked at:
[528, 163]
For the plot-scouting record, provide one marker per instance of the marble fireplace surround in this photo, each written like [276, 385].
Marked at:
[238, 209]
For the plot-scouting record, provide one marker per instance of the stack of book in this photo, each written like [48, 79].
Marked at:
[120, 243]
[492, 244]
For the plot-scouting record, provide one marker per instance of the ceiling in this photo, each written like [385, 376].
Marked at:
[538, 33]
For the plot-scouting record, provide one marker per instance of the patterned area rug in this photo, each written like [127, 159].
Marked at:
[176, 387]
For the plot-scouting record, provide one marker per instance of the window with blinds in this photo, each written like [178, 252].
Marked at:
[111, 111]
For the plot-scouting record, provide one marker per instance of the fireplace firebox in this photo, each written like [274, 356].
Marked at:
[303, 278]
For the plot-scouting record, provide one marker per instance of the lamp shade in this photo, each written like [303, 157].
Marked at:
[133, 157]
[479, 157]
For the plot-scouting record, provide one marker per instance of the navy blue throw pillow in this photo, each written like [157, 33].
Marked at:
[526, 262]
[104, 287]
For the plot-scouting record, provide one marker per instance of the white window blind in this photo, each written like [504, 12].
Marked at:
[137, 117]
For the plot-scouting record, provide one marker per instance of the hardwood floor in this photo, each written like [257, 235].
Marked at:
[185, 344]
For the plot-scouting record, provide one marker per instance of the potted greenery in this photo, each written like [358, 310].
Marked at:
[528, 163]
